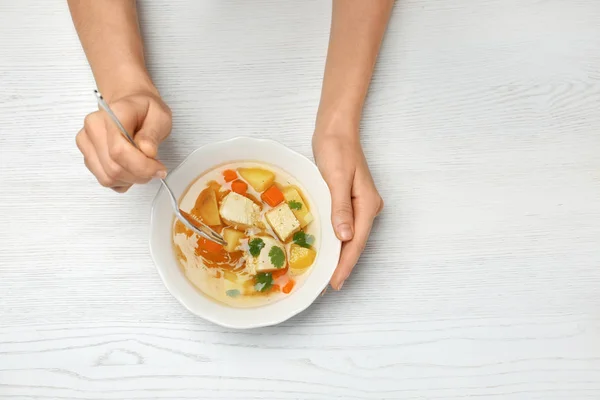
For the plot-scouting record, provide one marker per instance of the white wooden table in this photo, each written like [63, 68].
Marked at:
[482, 278]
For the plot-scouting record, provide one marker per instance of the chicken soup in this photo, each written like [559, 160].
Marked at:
[269, 224]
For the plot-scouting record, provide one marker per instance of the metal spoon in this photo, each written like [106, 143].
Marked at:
[198, 227]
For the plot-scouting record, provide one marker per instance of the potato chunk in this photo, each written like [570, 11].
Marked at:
[301, 258]
[260, 179]
[298, 205]
[232, 237]
[206, 207]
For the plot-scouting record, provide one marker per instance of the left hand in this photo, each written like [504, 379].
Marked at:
[355, 199]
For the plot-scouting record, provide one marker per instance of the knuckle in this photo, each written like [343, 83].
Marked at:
[121, 189]
[167, 112]
[371, 204]
[114, 171]
[105, 181]
[90, 120]
[87, 164]
[116, 151]
[376, 204]
[79, 141]
[381, 205]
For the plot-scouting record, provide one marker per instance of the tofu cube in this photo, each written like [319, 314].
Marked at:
[262, 262]
[239, 211]
[283, 221]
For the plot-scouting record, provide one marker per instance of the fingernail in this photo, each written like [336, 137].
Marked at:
[345, 232]
[340, 285]
[160, 175]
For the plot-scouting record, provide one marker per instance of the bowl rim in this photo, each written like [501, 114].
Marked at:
[301, 306]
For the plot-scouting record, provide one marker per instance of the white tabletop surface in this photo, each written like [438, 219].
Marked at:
[482, 276]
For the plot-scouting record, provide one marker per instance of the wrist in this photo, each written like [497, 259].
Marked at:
[337, 123]
[124, 81]
[341, 111]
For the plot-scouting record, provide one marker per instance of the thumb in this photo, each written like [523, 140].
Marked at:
[155, 128]
[342, 215]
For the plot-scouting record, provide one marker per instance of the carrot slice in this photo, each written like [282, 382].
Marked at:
[272, 196]
[240, 187]
[275, 288]
[288, 286]
[209, 245]
[229, 175]
[279, 273]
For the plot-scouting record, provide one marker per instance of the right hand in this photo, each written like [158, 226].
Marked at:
[115, 163]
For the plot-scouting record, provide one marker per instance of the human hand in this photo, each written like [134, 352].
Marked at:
[355, 199]
[115, 163]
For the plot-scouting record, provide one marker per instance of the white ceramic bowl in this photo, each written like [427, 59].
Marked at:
[213, 155]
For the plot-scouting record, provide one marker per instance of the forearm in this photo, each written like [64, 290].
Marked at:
[357, 29]
[110, 36]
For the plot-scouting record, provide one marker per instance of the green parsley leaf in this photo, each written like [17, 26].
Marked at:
[264, 281]
[299, 237]
[295, 205]
[256, 245]
[233, 293]
[277, 256]
[303, 240]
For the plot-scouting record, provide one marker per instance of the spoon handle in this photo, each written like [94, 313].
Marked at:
[104, 105]
[202, 230]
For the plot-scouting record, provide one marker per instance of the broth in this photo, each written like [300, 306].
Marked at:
[271, 226]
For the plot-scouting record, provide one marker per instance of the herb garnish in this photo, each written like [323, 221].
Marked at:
[264, 281]
[256, 245]
[303, 240]
[277, 256]
[295, 205]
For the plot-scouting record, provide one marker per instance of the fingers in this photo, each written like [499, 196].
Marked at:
[352, 249]
[121, 152]
[355, 200]
[124, 160]
[337, 162]
[365, 212]
[342, 215]
[114, 161]
[92, 162]
[95, 129]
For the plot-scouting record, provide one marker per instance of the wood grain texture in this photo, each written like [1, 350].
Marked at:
[482, 277]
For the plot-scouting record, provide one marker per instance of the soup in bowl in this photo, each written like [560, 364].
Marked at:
[273, 209]
[269, 226]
